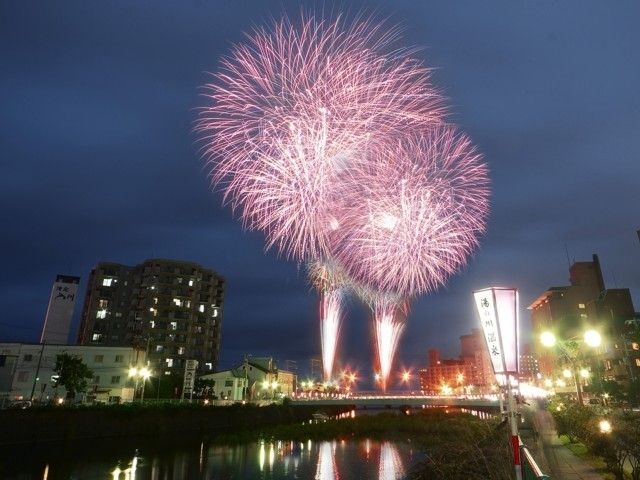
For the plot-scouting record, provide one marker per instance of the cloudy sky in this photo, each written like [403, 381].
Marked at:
[98, 161]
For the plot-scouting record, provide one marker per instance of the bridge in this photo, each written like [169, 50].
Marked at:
[397, 401]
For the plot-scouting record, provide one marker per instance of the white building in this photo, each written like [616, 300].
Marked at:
[227, 385]
[26, 372]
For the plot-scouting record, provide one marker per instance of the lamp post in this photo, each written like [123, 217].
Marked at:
[570, 349]
[498, 311]
[139, 373]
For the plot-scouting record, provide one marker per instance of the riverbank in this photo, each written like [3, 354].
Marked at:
[55, 424]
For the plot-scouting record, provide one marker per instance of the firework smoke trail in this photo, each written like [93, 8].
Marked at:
[389, 314]
[330, 281]
[295, 106]
[426, 201]
[330, 313]
[391, 467]
[388, 329]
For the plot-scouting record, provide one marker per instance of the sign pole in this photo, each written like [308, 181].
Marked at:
[513, 424]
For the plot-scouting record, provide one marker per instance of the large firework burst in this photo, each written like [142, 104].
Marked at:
[294, 107]
[411, 217]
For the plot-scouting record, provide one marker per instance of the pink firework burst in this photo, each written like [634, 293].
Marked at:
[294, 107]
[411, 217]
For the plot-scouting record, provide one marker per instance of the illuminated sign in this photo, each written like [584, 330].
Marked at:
[498, 311]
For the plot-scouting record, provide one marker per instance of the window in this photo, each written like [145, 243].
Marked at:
[215, 312]
[106, 282]
[637, 362]
[159, 348]
[103, 303]
[191, 283]
[228, 383]
[23, 376]
[96, 337]
[152, 324]
[115, 379]
[174, 325]
[209, 365]
[98, 358]
[153, 311]
[635, 346]
[180, 350]
[119, 358]
[155, 300]
[581, 305]
[118, 314]
[101, 314]
[169, 362]
[177, 302]
[201, 308]
[27, 357]
[96, 379]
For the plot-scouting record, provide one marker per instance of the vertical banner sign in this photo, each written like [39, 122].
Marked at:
[189, 378]
[498, 311]
[60, 310]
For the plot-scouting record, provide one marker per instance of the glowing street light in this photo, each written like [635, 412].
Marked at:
[406, 376]
[377, 376]
[566, 373]
[548, 383]
[584, 373]
[592, 338]
[605, 426]
[548, 339]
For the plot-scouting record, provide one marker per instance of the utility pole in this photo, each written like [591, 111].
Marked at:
[35, 379]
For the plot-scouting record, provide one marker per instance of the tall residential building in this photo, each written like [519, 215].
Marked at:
[60, 310]
[170, 308]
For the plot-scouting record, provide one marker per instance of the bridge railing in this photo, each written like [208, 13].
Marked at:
[530, 469]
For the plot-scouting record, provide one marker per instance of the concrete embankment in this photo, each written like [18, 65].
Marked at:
[35, 426]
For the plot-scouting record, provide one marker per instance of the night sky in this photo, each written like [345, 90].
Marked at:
[99, 161]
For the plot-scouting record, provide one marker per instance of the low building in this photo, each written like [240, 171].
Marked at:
[226, 385]
[266, 380]
[27, 372]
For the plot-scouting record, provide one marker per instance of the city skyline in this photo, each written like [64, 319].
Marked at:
[119, 179]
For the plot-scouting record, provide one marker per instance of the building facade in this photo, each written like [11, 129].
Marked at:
[27, 372]
[171, 309]
[568, 311]
[227, 385]
[472, 371]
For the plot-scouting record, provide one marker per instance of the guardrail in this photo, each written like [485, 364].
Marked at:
[530, 469]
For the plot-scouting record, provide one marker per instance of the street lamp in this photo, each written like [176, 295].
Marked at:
[605, 426]
[570, 350]
[139, 373]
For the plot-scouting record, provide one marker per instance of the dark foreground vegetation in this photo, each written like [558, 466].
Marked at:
[62, 424]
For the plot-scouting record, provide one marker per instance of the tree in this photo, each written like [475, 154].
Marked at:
[72, 373]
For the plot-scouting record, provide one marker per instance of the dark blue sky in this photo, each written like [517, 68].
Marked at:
[98, 161]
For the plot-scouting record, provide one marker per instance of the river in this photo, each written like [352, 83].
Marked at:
[182, 459]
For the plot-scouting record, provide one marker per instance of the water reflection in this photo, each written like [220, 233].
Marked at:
[165, 459]
[391, 467]
[327, 469]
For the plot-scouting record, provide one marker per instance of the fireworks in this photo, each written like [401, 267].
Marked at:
[329, 138]
[331, 282]
[414, 215]
[294, 107]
